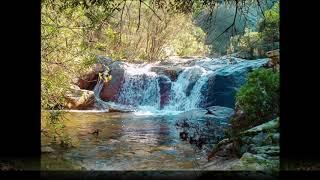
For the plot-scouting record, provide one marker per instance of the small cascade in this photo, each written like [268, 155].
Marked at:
[185, 92]
[100, 104]
[140, 87]
[149, 92]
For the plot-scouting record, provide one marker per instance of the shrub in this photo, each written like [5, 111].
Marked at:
[259, 96]
[246, 45]
[269, 26]
[252, 45]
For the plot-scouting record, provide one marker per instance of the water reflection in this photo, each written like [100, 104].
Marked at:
[129, 142]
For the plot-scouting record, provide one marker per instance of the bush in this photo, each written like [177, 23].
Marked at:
[259, 97]
[269, 26]
[246, 45]
[252, 45]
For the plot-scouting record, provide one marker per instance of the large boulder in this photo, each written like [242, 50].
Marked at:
[257, 149]
[260, 146]
[89, 80]
[111, 88]
[80, 99]
[222, 85]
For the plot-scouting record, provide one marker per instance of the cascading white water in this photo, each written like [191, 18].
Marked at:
[140, 87]
[180, 100]
[97, 89]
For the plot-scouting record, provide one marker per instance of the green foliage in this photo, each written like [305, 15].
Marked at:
[259, 96]
[189, 41]
[246, 45]
[269, 26]
[252, 45]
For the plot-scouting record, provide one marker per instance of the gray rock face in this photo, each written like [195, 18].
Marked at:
[222, 85]
[194, 113]
[221, 113]
[260, 147]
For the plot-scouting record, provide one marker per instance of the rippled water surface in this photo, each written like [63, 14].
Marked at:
[129, 142]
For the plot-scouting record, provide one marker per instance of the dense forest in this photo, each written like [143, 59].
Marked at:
[74, 33]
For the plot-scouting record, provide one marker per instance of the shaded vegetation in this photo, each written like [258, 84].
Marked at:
[259, 96]
[257, 101]
[255, 44]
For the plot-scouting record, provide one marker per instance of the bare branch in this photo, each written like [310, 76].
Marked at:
[232, 24]
[258, 2]
[140, 1]
[152, 10]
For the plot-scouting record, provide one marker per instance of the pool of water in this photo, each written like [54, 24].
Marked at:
[128, 141]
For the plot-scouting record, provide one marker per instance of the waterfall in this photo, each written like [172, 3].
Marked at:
[140, 87]
[100, 104]
[185, 92]
[153, 92]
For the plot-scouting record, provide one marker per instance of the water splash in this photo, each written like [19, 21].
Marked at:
[99, 103]
[140, 87]
[185, 92]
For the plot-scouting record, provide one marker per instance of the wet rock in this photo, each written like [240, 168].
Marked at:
[171, 72]
[276, 138]
[80, 99]
[88, 81]
[268, 127]
[222, 85]
[165, 88]
[194, 113]
[111, 88]
[221, 113]
[225, 148]
[104, 60]
[268, 150]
